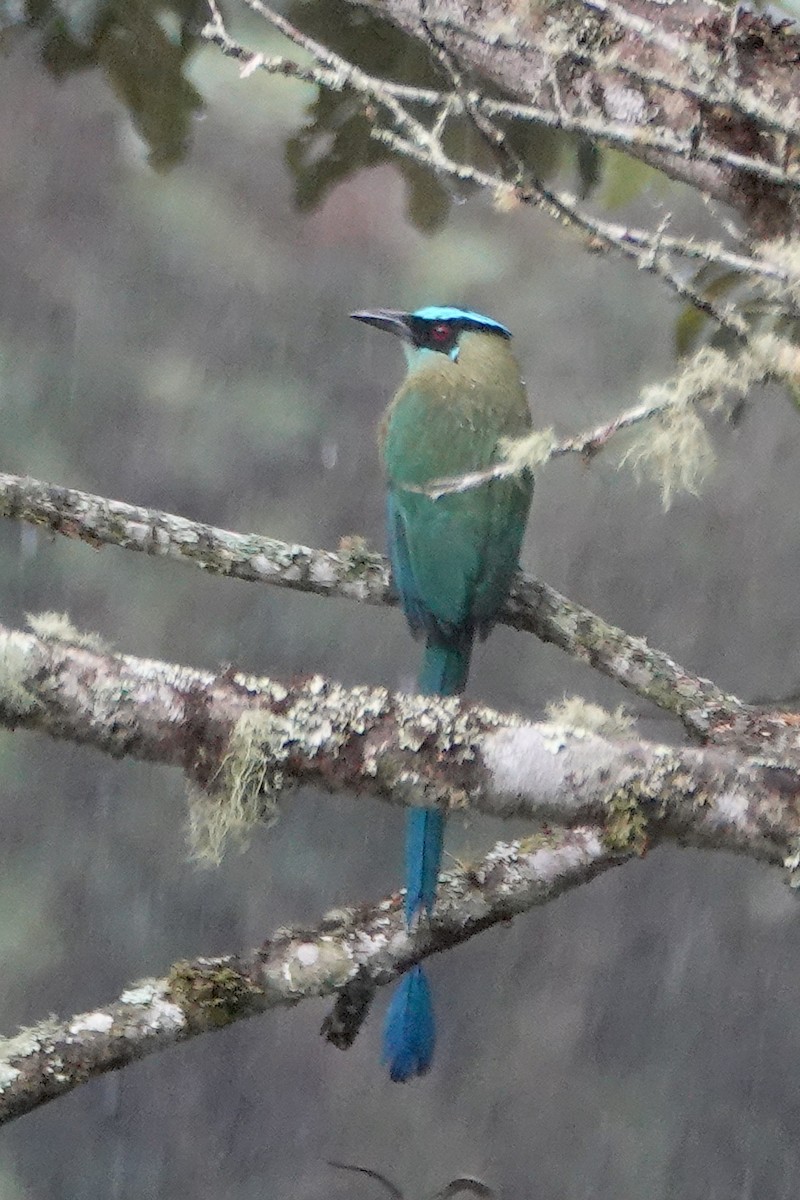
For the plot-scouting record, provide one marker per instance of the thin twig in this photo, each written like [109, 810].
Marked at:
[637, 137]
[585, 444]
[426, 148]
[565, 208]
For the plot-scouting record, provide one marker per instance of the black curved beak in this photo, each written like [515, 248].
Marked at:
[388, 319]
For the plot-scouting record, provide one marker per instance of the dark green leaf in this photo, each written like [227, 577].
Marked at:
[692, 321]
[128, 40]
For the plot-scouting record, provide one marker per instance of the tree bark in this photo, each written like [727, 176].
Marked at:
[705, 92]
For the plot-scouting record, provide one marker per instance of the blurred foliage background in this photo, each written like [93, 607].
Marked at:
[180, 251]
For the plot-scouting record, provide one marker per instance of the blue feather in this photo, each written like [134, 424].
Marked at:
[424, 836]
[445, 666]
[433, 312]
[402, 571]
[409, 1035]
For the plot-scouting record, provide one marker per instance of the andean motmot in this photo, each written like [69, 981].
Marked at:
[453, 558]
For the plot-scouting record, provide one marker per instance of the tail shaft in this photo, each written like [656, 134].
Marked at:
[424, 836]
[445, 666]
[409, 1034]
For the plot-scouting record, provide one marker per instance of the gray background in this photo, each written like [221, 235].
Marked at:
[181, 340]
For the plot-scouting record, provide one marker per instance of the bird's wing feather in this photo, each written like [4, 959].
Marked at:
[454, 557]
[402, 568]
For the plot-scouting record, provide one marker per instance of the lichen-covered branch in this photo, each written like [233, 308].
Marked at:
[243, 740]
[565, 209]
[702, 383]
[700, 705]
[453, 31]
[335, 73]
[708, 96]
[356, 573]
[368, 947]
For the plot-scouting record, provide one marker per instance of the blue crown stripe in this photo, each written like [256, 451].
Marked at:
[433, 313]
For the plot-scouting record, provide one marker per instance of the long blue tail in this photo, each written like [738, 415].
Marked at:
[409, 1035]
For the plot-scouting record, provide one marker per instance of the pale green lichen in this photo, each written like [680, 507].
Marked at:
[57, 627]
[143, 992]
[555, 738]
[667, 782]
[245, 790]
[91, 1022]
[676, 452]
[305, 965]
[321, 719]
[778, 355]
[8, 1075]
[792, 866]
[672, 446]
[27, 1041]
[422, 719]
[578, 713]
[257, 685]
[784, 253]
[529, 451]
[16, 698]
[442, 722]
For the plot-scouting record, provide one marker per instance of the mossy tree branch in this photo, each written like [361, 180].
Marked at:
[243, 740]
[706, 95]
[356, 573]
[618, 796]
[348, 950]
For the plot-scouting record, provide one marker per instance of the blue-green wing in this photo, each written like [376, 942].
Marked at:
[453, 558]
[402, 570]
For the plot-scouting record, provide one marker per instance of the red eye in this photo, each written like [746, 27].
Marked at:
[440, 334]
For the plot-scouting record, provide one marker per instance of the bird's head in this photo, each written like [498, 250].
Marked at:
[432, 330]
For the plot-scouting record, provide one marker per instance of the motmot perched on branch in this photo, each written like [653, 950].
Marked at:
[453, 558]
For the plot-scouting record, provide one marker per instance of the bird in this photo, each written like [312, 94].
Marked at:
[453, 559]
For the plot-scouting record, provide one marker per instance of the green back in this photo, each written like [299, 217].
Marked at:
[454, 557]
